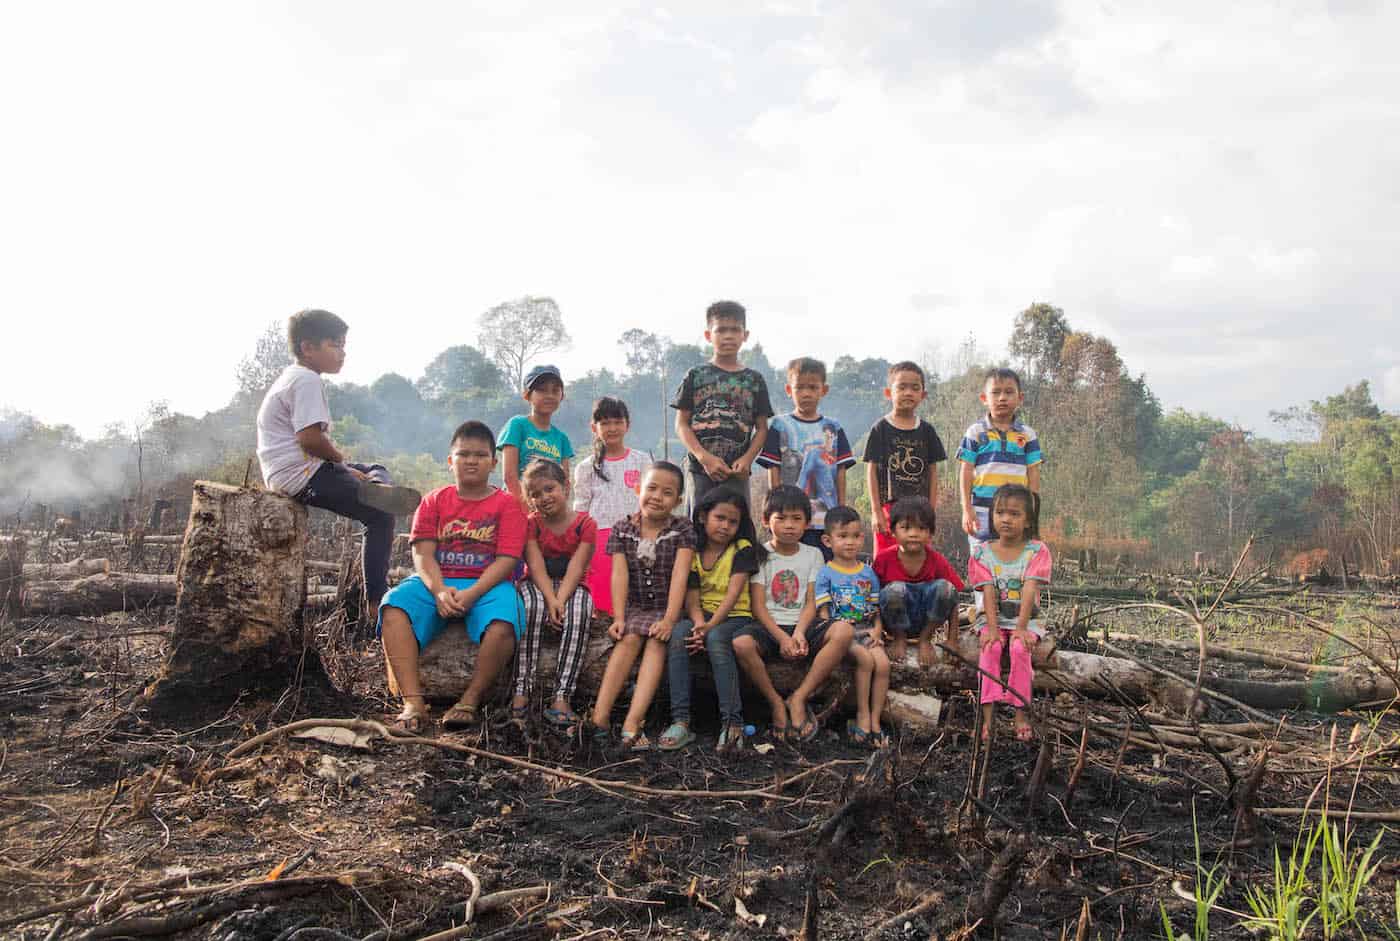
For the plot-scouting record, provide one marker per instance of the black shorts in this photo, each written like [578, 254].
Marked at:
[768, 645]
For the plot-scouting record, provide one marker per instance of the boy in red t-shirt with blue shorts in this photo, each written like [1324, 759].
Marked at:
[467, 539]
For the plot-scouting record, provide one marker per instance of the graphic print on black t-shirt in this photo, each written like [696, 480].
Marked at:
[905, 458]
[723, 408]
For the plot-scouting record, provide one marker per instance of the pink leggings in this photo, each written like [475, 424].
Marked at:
[599, 578]
[1021, 672]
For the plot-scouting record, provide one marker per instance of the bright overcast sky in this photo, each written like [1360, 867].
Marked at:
[1215, 188]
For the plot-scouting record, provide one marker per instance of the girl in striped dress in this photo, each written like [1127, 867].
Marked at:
[559, 543]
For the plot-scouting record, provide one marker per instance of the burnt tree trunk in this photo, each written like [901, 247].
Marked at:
[99, 594]
[241, 585]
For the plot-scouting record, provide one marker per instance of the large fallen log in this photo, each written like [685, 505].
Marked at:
[241, 584]
[98, 594]
[53, 571]
[446, 666]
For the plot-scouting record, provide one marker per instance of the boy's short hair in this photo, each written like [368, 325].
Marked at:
[1002, 372]
[840, 516]
[785, 498]
[473, 430]
[726, 310]
[913, 510]
[312, 326]
[807, 366]
[906, 365]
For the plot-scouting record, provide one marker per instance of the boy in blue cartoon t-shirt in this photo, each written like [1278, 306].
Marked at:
[847, 590]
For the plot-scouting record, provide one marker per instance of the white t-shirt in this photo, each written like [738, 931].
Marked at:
[295, 401]
[609, 501]
[785, 579]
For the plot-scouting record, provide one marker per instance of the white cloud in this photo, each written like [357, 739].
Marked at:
[1211, 187]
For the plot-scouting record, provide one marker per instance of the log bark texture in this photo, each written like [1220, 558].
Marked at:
[99, 594]
[446, 665]
[241, 585]
[78, 568]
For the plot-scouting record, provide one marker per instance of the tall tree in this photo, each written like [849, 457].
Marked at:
[271, 355]
[515, 332]
[647, 354]
[1036, 341]
[457, 371]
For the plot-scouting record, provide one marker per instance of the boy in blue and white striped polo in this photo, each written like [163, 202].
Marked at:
[996, 449]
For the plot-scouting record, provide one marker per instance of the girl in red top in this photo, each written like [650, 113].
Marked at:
[559, 543]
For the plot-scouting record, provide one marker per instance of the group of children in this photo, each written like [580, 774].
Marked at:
[544, 555]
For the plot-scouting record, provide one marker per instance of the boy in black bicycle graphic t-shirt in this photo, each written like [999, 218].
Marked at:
[902, 451]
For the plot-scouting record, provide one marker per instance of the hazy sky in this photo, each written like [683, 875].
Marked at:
[1216, 188]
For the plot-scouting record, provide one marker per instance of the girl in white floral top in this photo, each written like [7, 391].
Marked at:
[606, 488]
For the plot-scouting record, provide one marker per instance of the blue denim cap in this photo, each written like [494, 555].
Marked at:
[541, 372]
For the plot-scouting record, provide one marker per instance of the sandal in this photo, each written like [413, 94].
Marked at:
[560, 718]
[807, 730]
[600, 734]
[519, 715]
[411, 721]
[635, 741]
[857, 735]
[676, 737]
[731, 739]
[464, 715]
[1024, 733]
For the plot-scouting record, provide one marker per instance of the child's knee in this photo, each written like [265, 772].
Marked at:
[841, 633]
[745, 647]
[881, 662]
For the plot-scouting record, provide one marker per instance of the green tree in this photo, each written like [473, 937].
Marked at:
[515, 332]
[257, 371]
[457, 372]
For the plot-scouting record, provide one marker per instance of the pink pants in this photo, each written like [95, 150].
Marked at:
[1021, 672]
[600, 574]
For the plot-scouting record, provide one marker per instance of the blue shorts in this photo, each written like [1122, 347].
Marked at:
[411, 596]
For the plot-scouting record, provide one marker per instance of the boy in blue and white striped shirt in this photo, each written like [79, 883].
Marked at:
[996, 449]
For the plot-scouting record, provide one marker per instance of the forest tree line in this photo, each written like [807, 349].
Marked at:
[1123, 475]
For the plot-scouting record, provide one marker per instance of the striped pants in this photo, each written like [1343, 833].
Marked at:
[578, 617]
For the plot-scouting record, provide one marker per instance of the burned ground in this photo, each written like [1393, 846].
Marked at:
[118, 826]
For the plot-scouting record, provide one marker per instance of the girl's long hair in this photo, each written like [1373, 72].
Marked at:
[606, 407]
[746, 528]
[1029, 499]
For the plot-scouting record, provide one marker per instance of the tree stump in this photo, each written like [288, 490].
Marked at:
[12, 577]
[240, 587]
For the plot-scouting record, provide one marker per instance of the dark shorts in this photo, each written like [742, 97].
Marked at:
[768, 645]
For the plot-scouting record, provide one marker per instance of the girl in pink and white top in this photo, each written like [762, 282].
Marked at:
[1009, 572]
[606, 488]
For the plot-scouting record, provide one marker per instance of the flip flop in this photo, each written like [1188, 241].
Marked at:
[731, 739]
[1025, 733]
[636, 741]
[560, 718]
[461, 716]
[411, 722]
[857, 734]
[600, 734]
[807, 730]
[675, 737]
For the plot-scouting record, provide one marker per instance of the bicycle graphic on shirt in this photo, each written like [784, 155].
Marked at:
[904, 464]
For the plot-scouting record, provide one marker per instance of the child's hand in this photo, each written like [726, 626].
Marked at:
[696, 641]
[1024, 635]
[615, 630]
[989, 636]
[969, 521]
[447, 604]
[801, 643]
[715, 469]
[661, 630]
[359, 474]
[881, 523]
[739, 467]
[791, 648]
[556, 613]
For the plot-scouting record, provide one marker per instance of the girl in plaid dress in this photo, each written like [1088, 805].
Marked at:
[651, 553]
[558, 545]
